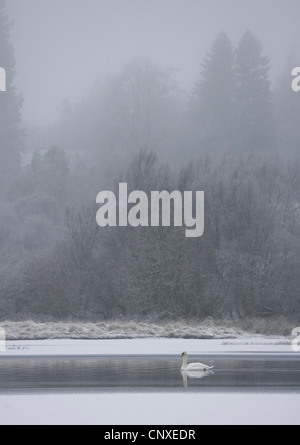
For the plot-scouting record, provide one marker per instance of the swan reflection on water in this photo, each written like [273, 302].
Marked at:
[195, 375]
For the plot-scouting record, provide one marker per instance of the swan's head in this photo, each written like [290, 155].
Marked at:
[184, 354]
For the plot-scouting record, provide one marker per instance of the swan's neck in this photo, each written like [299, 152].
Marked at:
[185, 362]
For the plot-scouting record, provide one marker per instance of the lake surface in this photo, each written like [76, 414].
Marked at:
[152, 373]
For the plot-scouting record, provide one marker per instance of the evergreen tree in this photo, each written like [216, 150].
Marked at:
[213, 101]
[11, 133]
[255, 130]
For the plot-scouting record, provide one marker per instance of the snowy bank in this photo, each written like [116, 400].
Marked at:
[143, 347]
[30, 330]
[117, 338]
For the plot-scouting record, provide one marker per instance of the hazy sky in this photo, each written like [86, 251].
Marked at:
[63, 46]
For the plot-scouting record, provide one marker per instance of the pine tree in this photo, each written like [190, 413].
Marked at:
[213, 101]
[11, 133]
[255, 130]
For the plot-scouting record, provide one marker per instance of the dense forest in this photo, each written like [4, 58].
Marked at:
[236, 136]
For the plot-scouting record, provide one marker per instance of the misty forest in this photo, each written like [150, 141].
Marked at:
[235, 135]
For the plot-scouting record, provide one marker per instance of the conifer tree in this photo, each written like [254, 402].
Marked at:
[255, 129]
[213, 101]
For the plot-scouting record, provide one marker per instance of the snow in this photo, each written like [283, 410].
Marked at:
[30, 330]
[151, 409]
[164, 347]
[146, 338]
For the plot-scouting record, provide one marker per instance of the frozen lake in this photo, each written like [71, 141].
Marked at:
[128, 382]
[157, 373]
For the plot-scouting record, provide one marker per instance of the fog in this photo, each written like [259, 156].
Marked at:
[161, 96]
[63, 46]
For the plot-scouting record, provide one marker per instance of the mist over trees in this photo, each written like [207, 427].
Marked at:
[213, 109]
[287, 106]
[11, 133]
[231, 106]
[233, 136]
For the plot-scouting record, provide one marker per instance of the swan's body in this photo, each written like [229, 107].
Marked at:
[196, 375]
[193, 366]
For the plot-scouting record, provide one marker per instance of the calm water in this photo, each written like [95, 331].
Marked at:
[134, 373]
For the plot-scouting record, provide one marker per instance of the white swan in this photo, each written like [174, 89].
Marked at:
[193, 366]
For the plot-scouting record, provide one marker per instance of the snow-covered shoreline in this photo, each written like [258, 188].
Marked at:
[131, 338]
[29, 330]
[148, 347]
[208, 329]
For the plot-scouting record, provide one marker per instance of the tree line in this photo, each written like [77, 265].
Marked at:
[234, 136]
